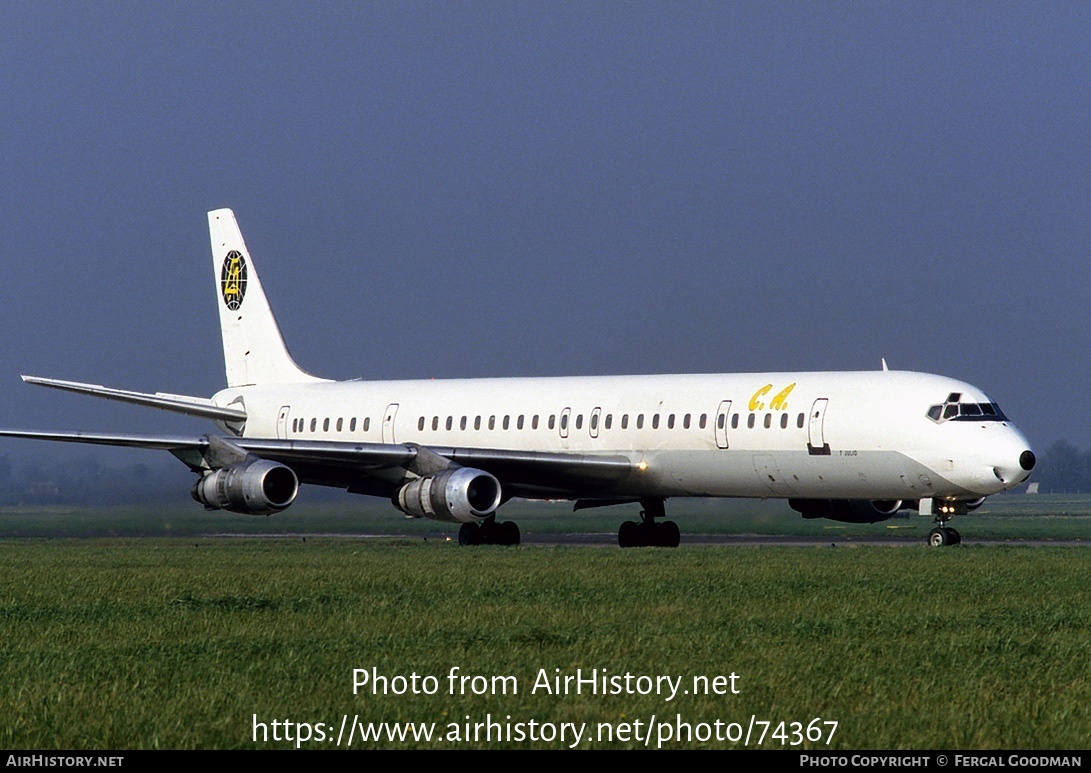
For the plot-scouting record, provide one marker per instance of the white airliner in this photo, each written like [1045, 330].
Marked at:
[853, 447]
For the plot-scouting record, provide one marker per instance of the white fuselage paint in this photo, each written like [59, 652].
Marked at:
[857, 435]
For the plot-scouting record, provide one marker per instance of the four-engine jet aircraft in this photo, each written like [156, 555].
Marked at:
[854, 447]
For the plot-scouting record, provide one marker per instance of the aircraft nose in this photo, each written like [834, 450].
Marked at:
[1009, 474]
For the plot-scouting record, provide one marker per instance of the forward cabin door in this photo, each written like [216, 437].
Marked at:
[388, 422]
[282, 422]
[720, 424]
[816, 429]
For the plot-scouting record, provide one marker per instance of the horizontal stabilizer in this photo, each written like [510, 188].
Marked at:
[191, 406]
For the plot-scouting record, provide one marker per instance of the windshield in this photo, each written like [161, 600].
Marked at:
[954, 409]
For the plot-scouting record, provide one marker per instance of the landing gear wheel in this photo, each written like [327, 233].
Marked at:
[489, 532]
[943, 535]
[667, 535]
[507, 533]
[469, 534]
[647, 532]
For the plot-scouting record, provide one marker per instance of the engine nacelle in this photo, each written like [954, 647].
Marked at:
[462, 495]
[256, 487]
[847, 510]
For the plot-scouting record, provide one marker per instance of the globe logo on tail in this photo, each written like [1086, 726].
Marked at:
[233, 280]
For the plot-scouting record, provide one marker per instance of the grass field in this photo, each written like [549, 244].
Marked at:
[124, 642]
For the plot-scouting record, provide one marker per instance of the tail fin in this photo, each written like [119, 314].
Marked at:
[254, 351]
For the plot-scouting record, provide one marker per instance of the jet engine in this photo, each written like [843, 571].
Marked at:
[255, 487]
[461, 494]
[847, 510]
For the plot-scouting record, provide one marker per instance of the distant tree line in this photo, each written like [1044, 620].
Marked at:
[1063, 469]
[85, 480]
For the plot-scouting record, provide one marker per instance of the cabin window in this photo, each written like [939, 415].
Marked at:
[340, 422]
[670, 421]
[579, 421]
[799, 421]
[420, 424]
[564, 422]
[685, 422]
[492, 422]
[594, 422]
[352, 424]
[519, 422]
[534, 422]
[552, 420]
[435, 423]
[784, 421]
[507, 421]
[462, 423]
[326, 425]
[367, 423]
[625, 421]
[735, 421]
[655, 421]
[640, 421]
[477, 422]
[720, 421]
[450, 422]
[750, 422]
[609, 421]
[704, 420]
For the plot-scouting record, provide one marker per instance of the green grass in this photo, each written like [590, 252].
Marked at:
[142, 643]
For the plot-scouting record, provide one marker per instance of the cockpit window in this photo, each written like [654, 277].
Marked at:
[953, 410]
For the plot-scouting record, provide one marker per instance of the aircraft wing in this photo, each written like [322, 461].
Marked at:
[379, 468]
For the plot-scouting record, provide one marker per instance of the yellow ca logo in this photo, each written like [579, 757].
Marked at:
[779, 401]
[233, 279]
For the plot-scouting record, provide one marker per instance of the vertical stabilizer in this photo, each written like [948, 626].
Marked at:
[254, 351]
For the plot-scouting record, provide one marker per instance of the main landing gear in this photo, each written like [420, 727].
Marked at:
[489, 532]
[648, 533]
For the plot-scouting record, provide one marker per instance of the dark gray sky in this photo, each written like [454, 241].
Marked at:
[491, 189]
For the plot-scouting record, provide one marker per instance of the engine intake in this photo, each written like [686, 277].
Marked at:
[847, 510]
[462, 495]
[256, 487]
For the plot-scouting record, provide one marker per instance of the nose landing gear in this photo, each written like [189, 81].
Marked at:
[944, 511]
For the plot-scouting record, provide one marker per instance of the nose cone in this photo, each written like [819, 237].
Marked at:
[1013, 462]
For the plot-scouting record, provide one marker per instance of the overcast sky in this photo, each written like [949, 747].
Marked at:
[491, 189]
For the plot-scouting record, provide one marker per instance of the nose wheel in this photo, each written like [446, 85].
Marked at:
[943, 535]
